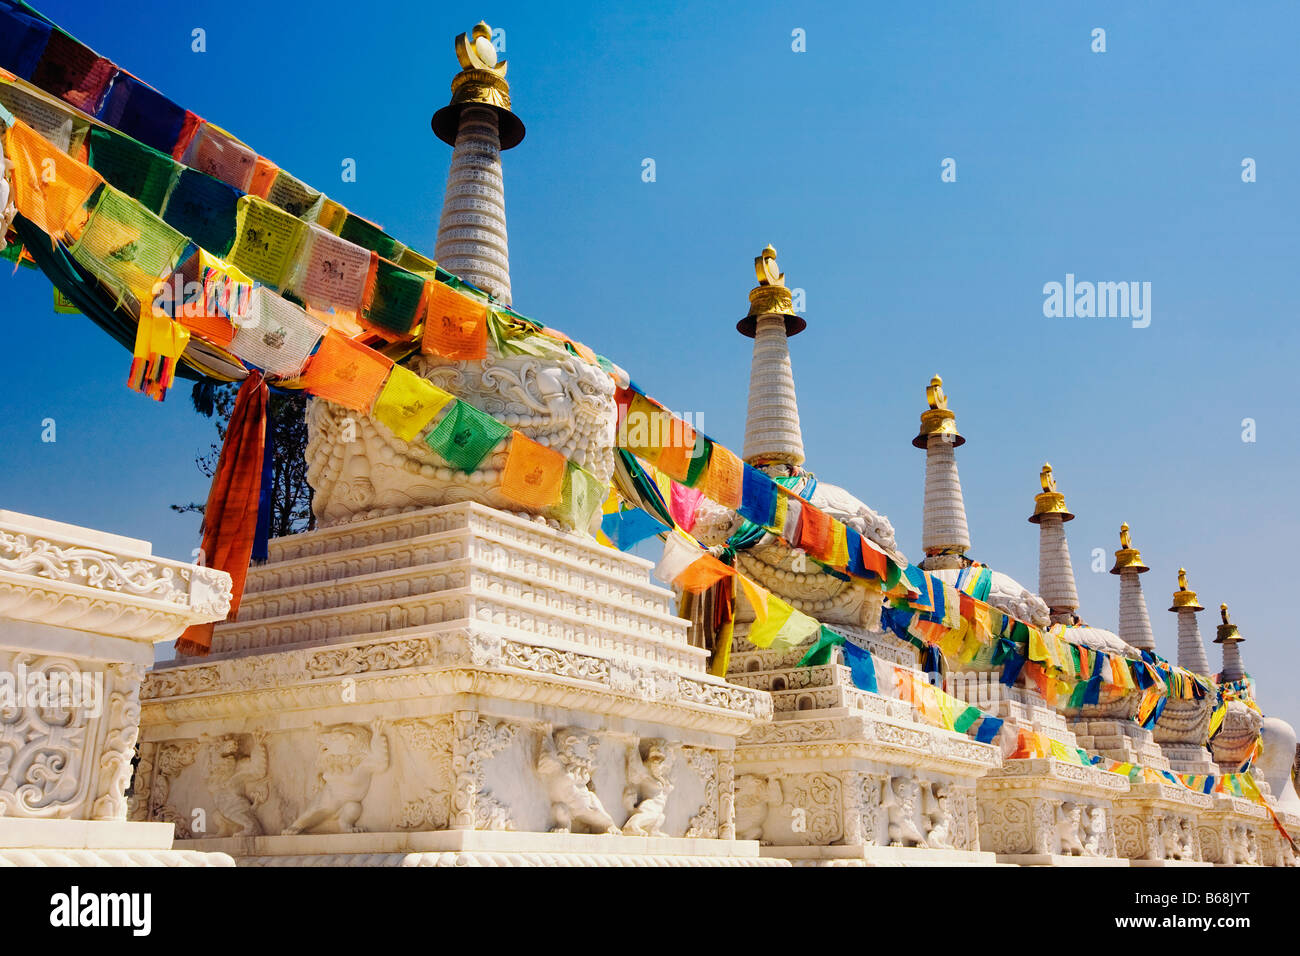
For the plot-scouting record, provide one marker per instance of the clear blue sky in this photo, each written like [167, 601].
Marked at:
[1117, 166]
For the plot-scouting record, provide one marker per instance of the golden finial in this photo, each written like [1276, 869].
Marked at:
[1127, 556]
[475, 50]
[771, 297]
[481, 82]
[766, 269]
[934, 393]
[938, 419]
[1184, 600]
[1227, 630]
[1049, 501]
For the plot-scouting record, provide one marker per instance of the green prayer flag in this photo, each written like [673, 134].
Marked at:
[465, 436]
[396, 298]
[700, 456]
[369, 236]
[966, 718]
[582, 495]
[138, 170]
[820, 653]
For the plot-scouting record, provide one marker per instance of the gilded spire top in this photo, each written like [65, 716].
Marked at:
[770, 297]
[1227, 630]
[938, 419]
[1185, 600]
[1049, 501]
[476, 51]
[1127, 556]
[481, 82]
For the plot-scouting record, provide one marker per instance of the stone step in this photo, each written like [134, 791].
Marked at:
[663, 640]
[503, 549]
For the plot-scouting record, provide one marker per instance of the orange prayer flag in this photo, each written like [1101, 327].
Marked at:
[49, 187]
[815, 532]
[724, 477]
[455, 326]
[346, 372]
[702, 574]
[678, 447]
[264, 173]
[534, 474]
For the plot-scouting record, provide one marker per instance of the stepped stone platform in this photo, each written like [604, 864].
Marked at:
[402, 681]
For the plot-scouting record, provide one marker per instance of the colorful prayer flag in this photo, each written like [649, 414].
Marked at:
[408, 403]
[345, 372]
[455, 325]
[534, 473]
[465, 436]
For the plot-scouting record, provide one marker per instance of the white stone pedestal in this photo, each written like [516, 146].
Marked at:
[395, 683]
[1042, 811]
[80, 612]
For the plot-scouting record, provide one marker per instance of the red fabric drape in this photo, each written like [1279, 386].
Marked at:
[230, 518]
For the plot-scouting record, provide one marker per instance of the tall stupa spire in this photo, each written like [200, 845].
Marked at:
[944, 535]
[1230, 637]
[1134, 621]
[478, 123]
[1055, 573]
[772, 434]
[1191, 649]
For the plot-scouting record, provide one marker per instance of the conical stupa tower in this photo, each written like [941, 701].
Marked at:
[472, 241]
[1134, 621]
[1191, 648]
[1055, 573]
[944, 535]
[772, 435]
[1230, 637]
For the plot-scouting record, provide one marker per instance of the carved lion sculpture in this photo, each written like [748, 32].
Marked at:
[358, 468]
[349, 756]
[755, 798]
[900, 802]
[648, 787]
[237, 783]
[564, 762]
[1070, 832]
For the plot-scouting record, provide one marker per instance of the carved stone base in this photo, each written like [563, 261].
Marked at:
[1056, 859]
[1121, 740]
[450, 669]
[486, 848]
[1156, 823]
[1044, 808]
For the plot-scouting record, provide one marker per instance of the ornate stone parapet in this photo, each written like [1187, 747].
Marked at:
[1045, 811]
[80, 612]
[1236, 832]
[1156, 824]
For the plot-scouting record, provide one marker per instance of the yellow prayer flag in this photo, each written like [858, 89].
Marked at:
[761, 633]
[408, 403]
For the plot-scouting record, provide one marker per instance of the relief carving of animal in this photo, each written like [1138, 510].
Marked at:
[564, 762]
[755, 798]
[349, 756]
[237, 783]
[648, 787]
